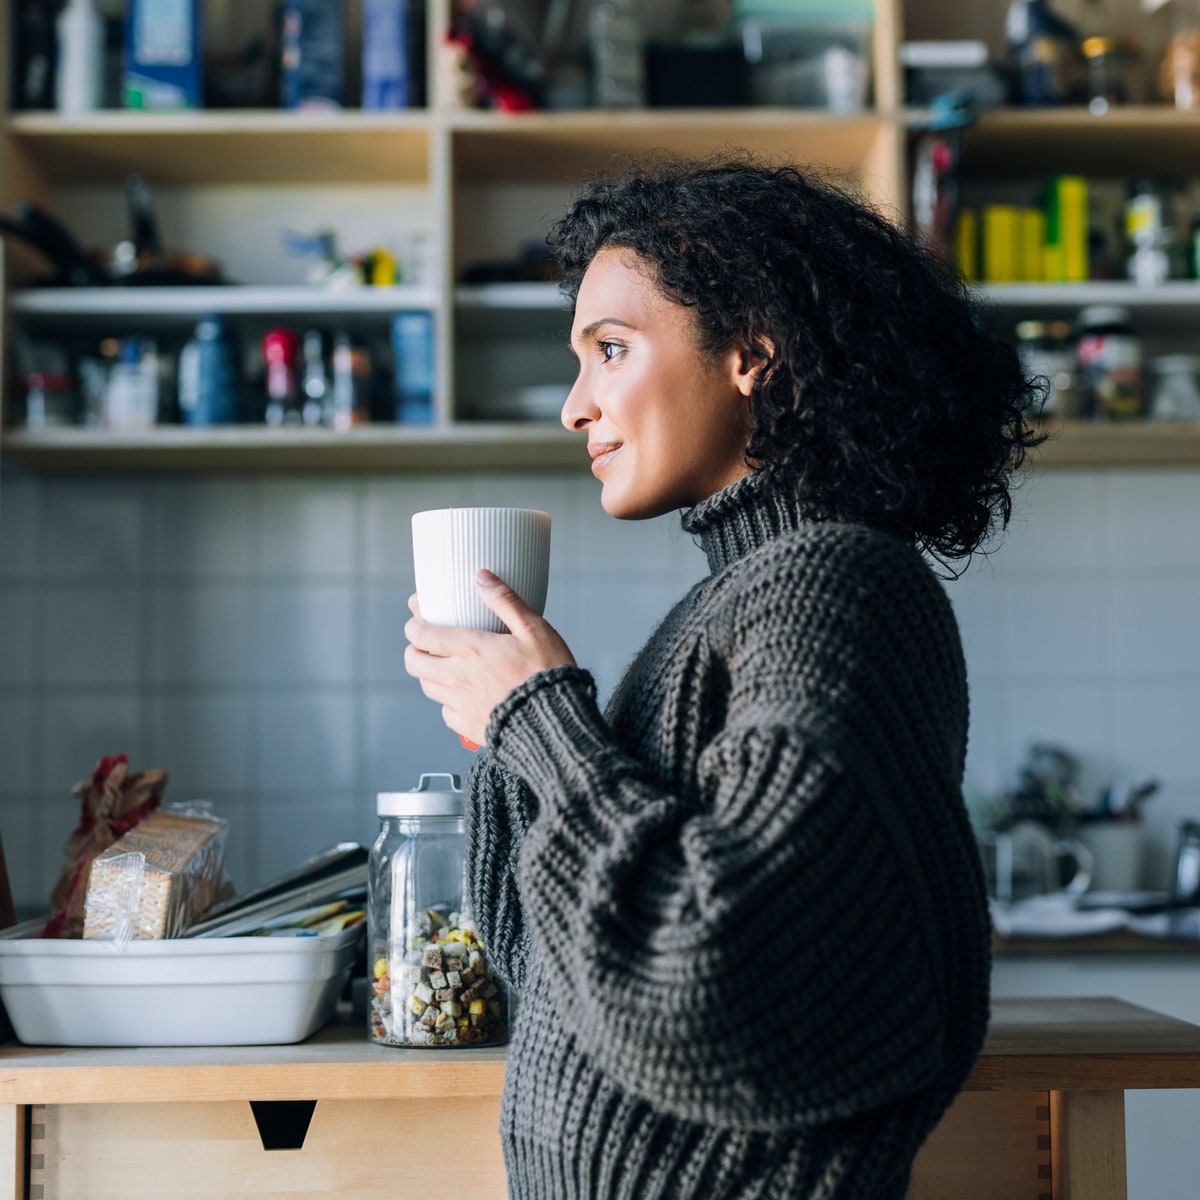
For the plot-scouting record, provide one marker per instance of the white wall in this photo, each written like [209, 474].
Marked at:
[245, 634]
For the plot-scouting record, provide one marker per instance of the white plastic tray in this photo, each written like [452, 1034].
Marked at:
[178, 992]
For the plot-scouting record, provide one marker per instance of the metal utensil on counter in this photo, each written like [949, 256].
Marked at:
[1187, 865]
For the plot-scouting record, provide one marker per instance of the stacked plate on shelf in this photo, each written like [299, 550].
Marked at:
[540, 402]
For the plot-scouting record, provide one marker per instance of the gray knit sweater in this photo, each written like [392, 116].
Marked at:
[742, 909]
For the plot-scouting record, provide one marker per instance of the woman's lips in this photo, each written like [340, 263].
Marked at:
[602, 454]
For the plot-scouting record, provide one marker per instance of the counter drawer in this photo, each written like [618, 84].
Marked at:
[352, 1149]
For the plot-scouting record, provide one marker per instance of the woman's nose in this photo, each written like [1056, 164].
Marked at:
[578, 412]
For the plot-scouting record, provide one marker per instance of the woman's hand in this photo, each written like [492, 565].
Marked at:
[469, 671]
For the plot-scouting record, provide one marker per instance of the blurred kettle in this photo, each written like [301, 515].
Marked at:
[1187, 864]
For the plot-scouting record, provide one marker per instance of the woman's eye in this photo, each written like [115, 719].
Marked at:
[609, 350]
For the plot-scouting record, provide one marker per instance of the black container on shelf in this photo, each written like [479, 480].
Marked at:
[686, 75]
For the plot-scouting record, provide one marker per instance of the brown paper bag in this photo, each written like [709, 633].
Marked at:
[111, 802]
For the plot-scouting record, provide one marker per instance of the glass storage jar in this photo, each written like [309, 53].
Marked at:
[431, 981]
[1175, 387]
[1111, 71]
[1179, 68]
[1109, 353]
[1047, 352]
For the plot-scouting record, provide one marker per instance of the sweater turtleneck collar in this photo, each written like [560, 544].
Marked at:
[740, 518]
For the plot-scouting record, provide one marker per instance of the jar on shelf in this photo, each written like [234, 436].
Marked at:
[1179, 67]
[1157, 220]
[432, 983]
[1047, 351]
[1174, 387]
[50, 399]
[1109, 356]
[1111, 66]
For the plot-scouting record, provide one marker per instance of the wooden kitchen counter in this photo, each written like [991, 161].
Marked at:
[1042, 1115]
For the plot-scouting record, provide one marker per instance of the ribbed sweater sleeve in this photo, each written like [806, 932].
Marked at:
[498, 811]
[757, 953]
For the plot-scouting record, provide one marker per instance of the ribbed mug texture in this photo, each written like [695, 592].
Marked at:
[451, 544]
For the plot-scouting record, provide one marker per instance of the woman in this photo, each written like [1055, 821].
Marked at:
[743, 908]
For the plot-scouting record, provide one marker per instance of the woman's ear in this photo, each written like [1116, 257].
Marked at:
[752, 362]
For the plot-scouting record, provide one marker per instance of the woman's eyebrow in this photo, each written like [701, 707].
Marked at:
[587, 331]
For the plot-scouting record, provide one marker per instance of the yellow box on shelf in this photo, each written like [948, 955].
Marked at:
[1067, 229]
[966, 244]
[1000, 244]
[1031, 245]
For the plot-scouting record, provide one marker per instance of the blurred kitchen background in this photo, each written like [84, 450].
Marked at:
[204, 524]
[245, 633]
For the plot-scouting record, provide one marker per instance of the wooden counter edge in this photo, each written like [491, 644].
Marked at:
[1085, 1043]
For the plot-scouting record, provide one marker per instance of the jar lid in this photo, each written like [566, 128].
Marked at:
[1098, 47]
[1104, 314]
[438, 794]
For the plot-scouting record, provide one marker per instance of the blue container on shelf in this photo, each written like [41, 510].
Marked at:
[412, 351]
[210, 378]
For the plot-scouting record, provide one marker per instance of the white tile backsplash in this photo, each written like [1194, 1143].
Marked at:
[94, 528]
[1072, 539]
[1054, 626]
[93, 635]
[307, 739]
[1078, 717]
[26, 874]
[405, 737]
[79, 729]
[305, 633]
[1156, 729]
[200, 633]
[307, 527]
[1152, 517]
[291, 826]
[385, 610]
[204, 527]
[1156, 626]
[246, 635]
[20, 534]
[204, 740]
[18, 720]
[19, 628]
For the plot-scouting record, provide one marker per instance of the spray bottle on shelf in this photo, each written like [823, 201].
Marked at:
[79, 79]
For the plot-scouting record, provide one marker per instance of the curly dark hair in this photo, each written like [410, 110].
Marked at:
[886, 398]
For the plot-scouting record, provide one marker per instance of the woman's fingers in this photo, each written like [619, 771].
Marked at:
[517, 616]
[441, 640]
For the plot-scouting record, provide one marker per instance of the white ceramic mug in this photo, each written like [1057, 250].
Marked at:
[451, 544]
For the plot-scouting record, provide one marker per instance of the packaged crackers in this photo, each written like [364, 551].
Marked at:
[156, 880]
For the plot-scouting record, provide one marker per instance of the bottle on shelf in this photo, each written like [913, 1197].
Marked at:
[131, 398]
[279, 348]
[412, 351]
[79, 78]
[34, 54]
[317, 407]
[209, 376]
[617, 54]
[1044, 51]
[312, 48]
[344, 390]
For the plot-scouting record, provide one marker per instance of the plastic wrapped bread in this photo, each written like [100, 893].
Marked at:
[156, 880]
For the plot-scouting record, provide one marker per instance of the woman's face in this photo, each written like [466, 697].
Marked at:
[667, 425]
